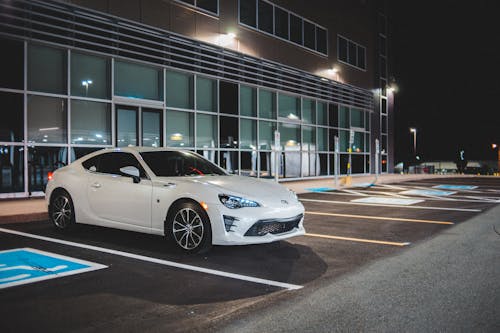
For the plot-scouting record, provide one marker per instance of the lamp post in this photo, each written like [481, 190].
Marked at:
[495, 146]
[414, 131]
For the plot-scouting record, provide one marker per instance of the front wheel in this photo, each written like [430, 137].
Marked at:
[61, 210]
[188, 226]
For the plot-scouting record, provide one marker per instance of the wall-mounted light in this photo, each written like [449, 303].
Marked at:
[226, 39]
[176, 137]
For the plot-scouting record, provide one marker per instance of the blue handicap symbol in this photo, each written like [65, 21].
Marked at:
[320, 189]
[455, 187]
[22, 266]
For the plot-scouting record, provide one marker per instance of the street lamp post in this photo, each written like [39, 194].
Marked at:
[495, 146]
[414, 131]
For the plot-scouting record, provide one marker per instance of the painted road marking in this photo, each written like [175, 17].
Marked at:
[320, 189]
[359, 194]
[380, 218]
[430, 193]
[388, 201]
[26, 265]
[157, 261]
[392, 187]
[358, 240]
[382, 205]
[455, 187]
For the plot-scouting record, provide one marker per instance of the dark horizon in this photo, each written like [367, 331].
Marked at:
[446, 68]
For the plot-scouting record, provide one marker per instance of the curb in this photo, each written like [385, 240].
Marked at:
[23, 218]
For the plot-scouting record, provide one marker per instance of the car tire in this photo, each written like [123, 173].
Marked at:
[61, 210]
[188, 227]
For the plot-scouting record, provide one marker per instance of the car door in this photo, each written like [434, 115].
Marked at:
[114, 198]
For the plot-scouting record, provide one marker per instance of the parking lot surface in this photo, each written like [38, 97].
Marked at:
[147, 285]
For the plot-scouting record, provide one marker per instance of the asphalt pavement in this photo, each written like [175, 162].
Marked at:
[449, 283]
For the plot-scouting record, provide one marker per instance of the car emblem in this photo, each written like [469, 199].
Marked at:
[284, 202]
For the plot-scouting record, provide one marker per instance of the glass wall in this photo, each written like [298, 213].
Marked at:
[120, 103]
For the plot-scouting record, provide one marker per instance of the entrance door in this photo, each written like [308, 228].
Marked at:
[137, 125]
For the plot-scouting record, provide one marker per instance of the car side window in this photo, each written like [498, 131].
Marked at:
[112, 162]
[92, 163]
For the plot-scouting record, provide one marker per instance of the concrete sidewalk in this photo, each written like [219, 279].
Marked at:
[34, 209]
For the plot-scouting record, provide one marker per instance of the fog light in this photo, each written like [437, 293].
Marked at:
[229, 222]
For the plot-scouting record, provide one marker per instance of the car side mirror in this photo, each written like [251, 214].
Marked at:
[133, 172]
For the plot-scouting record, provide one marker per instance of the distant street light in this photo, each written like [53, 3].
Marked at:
[86, 84]
[414, 131]
[495, 146]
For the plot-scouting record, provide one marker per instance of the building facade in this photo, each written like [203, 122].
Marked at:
[259, 87]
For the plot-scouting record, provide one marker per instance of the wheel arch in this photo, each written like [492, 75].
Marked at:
[171, 211]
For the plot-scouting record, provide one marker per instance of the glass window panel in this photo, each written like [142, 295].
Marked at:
[12, 124]
[383, 67]
[321, 40]
[342, 49]
[322, 114]
[384, 124]
[323, 139]
[344, 160]
[357, 118]
[296, 29]
[206, 131]
[248, 163]
[208, 5]
[228, 132]
[367, 142]
[281, 23]
[126, 127]
[248, 101]
[333, 158]
[206, 94]
[228, 97]
[383, 107]
[383, 45]
[290, 164]
[152, 128]
[191, 2]
[361, 57]
[359, 142]
[41, 161]
[333, 132]
[179, 90]
[229, 161]
[289, 136]
[265, 17]
[323, 164]
[79, 152]
[12, 64]
[266, 164]
[248, 12]
[367, 121]
[90, 123]
[344, 117]
[47, 119]
[11, 169]
[308, 138]
[90, 76]
[210, 155]
[344, 141]
[352, 54]
[308, 111]
[180, 129]
[334, 115]
[384, 163]
[248, 133]
[46, 69]
[267, 104]
[383, 148]
[138, 81]
[266, 134]
[309, 35]
[358, 163]
[289, 107]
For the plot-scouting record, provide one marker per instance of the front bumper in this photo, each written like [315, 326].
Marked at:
[255, 225]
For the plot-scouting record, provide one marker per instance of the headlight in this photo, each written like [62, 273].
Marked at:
[294, 195]
[232, 202]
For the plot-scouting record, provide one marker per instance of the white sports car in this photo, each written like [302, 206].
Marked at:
[174, 193]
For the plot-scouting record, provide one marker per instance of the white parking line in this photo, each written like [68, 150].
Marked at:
[394, 206]
[157, 261]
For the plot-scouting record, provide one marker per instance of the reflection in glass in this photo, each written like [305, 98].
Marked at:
[12, 64]
[228, 97]
[358, 163]
[267, 104]
[228, 132]
[12, 124]
[11, 169]
[90, 123]
[151, 128]
[206, 131]
[322, 114]
[266, 134]
[90, 76]
[323, 139]
[248, 101]
[344, 117]
[289, 107]
[248, 134]
[79, 152]
[180, 90]
[126, 130]
[180, 129]
[41, 161]
[357, 118]
[138, 81]
[47, 119]
[249, 163]
[359, 142]
[229, 161]
[46, 69]
[308, 111]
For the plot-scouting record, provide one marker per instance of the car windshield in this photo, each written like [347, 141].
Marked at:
[179, 163]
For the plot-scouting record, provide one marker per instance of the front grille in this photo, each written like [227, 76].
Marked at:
[274, 226]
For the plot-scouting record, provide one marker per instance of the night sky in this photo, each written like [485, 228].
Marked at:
[446, 58]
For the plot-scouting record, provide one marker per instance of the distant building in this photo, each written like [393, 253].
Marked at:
[215, 76]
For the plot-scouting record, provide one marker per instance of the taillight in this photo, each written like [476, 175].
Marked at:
[49, 176]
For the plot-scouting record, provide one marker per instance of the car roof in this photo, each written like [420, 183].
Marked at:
[141, 149]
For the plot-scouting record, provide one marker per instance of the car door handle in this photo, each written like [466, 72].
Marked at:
[96, 185]
[170, 185]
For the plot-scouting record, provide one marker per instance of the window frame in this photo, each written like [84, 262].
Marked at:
[197, 8]
[357, 47]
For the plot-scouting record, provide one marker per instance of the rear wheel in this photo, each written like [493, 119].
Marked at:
[61, 210]
[188, 227]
